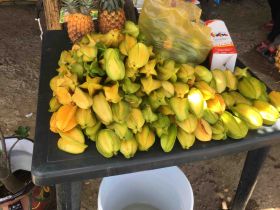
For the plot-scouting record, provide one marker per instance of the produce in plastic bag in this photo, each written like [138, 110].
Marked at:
[175, 30]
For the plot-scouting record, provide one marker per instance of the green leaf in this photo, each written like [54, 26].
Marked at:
[94, 70]
[101, 48]
[22, 132]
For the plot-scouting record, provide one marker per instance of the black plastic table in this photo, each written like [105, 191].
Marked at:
[51, 166]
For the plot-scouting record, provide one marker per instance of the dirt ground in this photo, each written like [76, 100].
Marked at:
[211, 180]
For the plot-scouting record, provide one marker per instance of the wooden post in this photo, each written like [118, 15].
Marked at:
[51, 8]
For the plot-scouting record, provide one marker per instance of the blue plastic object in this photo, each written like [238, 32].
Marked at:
[218, 1]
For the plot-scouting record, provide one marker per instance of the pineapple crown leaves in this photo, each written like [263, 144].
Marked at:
[72, 6]
[111, 5]
[87, 5]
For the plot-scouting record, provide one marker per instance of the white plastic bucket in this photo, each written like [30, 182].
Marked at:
[21, 154]
[164, 189]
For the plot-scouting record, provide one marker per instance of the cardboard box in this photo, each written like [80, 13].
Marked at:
[223, 55]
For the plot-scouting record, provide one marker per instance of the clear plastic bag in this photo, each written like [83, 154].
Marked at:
[175, 30]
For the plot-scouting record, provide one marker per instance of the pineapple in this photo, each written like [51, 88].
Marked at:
[79, 22]
[111, 15]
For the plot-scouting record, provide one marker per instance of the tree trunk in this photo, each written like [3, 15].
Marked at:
[51, 8]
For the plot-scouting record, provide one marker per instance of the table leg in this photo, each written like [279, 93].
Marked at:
[253, 163]
[68, 196]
